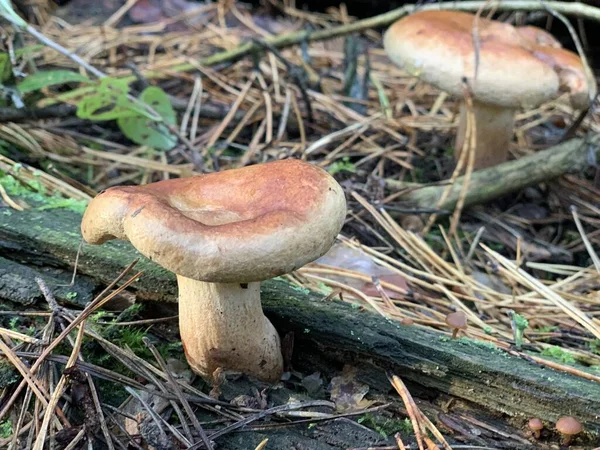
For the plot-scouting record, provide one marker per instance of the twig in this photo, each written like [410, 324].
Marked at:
[588, 245]
[379, 21]
[524, 278]
[494, 182]
[298, 74]
[469, 148]
[421, 424]
[13, 114]
[260, 415]
[58, 391]
[262, 444]
[101, 299]
[158, 420]
[9, 201]
[173, 384]
[382, 20]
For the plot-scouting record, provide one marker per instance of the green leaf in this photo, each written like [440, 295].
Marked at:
[145, 131]
[109, 102]
[44, 79]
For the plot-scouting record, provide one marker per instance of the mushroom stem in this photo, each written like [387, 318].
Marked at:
[223, 325]
[454, 333]
[567, 438]
[494, 133]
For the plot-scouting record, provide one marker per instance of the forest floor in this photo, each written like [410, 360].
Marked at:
[236, 85]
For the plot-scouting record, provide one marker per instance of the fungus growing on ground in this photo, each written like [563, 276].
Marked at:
[517, 68]
[536, 426]
[222, 234]
[457, 321]
[569, 427]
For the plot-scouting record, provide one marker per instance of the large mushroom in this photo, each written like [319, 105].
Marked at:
[222, 234]
[516, 68]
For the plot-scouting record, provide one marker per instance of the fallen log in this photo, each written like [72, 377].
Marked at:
[327, 333]
[494, 182]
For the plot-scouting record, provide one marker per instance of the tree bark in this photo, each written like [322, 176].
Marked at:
[328, 334]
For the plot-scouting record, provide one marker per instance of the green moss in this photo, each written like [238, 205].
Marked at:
[111, 393]
[35, 192]
[323, 288]
[386, 426]
[559, 354]
[300, 289]
[478, 343]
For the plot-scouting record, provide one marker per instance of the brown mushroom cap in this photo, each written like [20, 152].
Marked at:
[457, 319]
[537, 36]
[239, 225]
[571, 73]
[568, 426]
[568, 65]
[437, 46]
[535, 424]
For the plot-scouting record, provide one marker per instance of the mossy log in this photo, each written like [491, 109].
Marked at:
[512, 176]
[328, 334]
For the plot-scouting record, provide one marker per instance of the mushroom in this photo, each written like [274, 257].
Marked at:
[222, 234]
[514, 69]
[535, 425]
[568, 426]
[537, 36]
[457, 321]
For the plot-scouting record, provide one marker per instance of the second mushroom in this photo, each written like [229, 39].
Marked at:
[506, 67]
[222, 234]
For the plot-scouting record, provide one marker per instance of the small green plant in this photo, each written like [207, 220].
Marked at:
[145, 120]
[13, 323]
[133, 338]
[6, 429]
[519, 324]
[137, 117]
[342, 166]
[595, 346]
